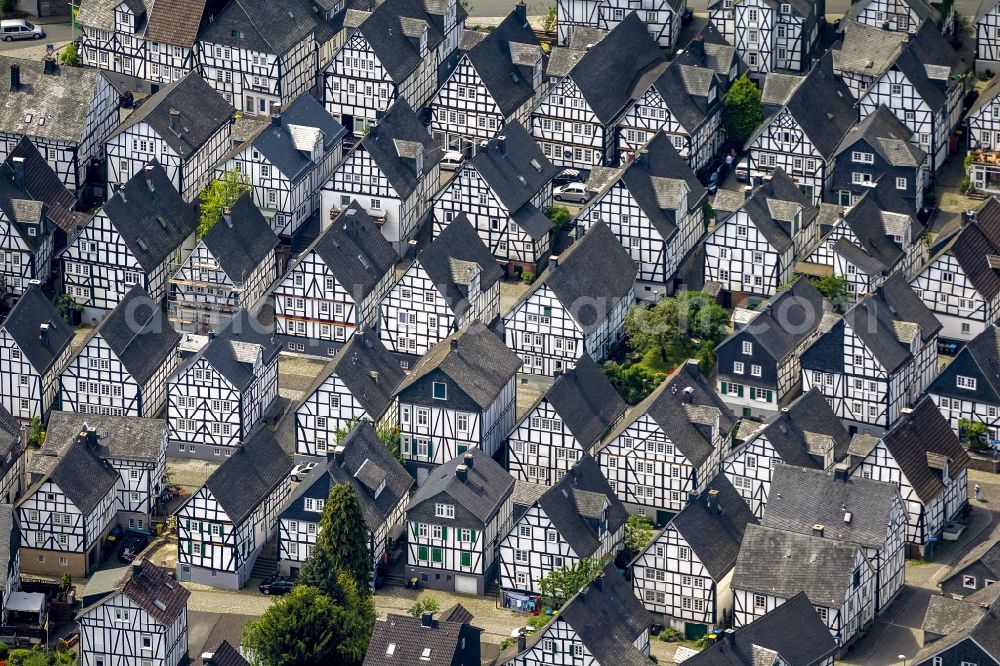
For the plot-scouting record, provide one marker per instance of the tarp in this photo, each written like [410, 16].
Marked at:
[26, 602]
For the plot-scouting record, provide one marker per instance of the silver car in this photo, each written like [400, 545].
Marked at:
[20, 29]
[571, 192]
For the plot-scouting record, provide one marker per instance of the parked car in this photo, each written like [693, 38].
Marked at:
[299, 471]
[452, 160]
[20, 29]
[571, 192]
[566, 176]
[742, 170]
[132, 546]
[687, 17]
[276, 585]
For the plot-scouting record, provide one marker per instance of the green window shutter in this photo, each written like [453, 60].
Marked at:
[444, 532]
[474, 533]
[723, 388]
[222, 531]
[462, 448]
[436, 555]
[430, 448]
[770, 395]
[187, 524]
[739, 390]
[466, 558]
[189, 547]
[422, 553]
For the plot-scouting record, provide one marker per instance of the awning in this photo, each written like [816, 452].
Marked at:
[26, 602]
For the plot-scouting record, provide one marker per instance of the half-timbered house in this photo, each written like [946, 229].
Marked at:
[394, 51]
[67, 112]
[654, 205]
[977, 570]
[758, 365]
[460, 395]
[797, 138]
[683, 575]
[151, 43]
[669, 447]
[864, 53]
[380, 482]
[449, 639]
[753, 251]
[497, 80]
[969, 387]
[878, 150]
[135, 447]
[392, 172]
[869, 514]
[13, 460]
[576, 121]
[358, 384]
[661, 17]
[451, 282]
[566, 422]
[971, 641]
[34, 350]
[143, 621]
[924, 89]
[123, 366]
[138, 237]
[922, 456]
[229, 270]
[879, 358]
[27, 232]
[257, 53]
[288, 161]
[601, 625]
[66, 513]
[770, 36]
[987, 25]
[960, 282]
[900, 15]
[223, 525]
[186, 128]
[768, 639]
[221, 393]
[455, 522]
[577, 518]
[806, 433]
[503, 192]
[335, 286]
[10, 556]
[774, 565]
[566, 313]
[710, 49]
[983, 119]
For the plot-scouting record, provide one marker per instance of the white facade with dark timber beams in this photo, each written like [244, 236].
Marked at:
[900, 15]
[222, 527]
[983, 120]
[770, 36]
[670, 446]
[566, 314]
[968, 387]
[654, 205]
[987, 27]
[662, 17]
[27, 228]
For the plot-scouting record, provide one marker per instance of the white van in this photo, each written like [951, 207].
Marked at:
[20, 29]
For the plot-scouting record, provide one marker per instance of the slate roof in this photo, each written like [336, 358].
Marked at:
[275, 141]
[241, 243]
[914, 436]
[782, 564]
[253, 22]
[987, 555]
[570, 277]
[473, 357]
[23, 325]
[82, 475]
[22, 212]
[984, 631]
[510, 171]
[410, 639]
[986, 97]
[684, 89]
[713, 526]
[42, 184]
[586, 401]
[808, 418]
[400, 123]
[139, 334]
[778, 88]
[117, 438]
[62, 99]
[613, 73]
[710, 49]
[458, 242]
[249, 475]
[355, 251]
[853, 511]
[875, 250]
[928, 47]
[923, 9]
[486, 488]
[354, 364]
[10, 540]
[231, 352]
[607, 617]
[793, 630]
[979, 358]
[577, 506]
[509, 84]
[202, 112]
[945, 616]
[785, 319]
[781, 191]
[970, 245]
[392, 31]
[152, 222]
[227, 655]
[865, 49]
[887, 136]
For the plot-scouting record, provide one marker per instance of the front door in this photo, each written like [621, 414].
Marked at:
[185, 572]
[249, 107]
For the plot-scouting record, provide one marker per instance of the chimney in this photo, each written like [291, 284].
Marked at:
[175, 121]
[453, 343]
[818, 530]
[730, 636]
[15, 77]
[275, 118]
[374, 375]
[502, 144]
[136, 567]
[50, 66]
[554, 260]
[467, 459]
[19, 171]
[43, 334]
[840, 472]
[227, 216]
[427, 620]
[522, 643]
[596, 584]
[712, 499]
[522, 11]
[462, 473]
[121, 193]
[338, 455]
[147, 171]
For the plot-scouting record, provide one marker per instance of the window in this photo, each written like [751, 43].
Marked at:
[747, 347]
[966, 382]
[896, 89]
[737, 368]
[524, 531]
[759, 601]
[440, 391]
[521, 556]
[444, 510]
[683, 553]
[755, 370]
[969, 582]
[900, 183]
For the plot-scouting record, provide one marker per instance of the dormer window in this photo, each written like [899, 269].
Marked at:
[439, 391]
[966, 382]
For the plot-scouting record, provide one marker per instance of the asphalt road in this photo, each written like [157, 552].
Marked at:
[55, 33]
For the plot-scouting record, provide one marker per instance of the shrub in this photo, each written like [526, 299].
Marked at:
[425, 605]
[70, 56]
[966, 184]
[528, 277]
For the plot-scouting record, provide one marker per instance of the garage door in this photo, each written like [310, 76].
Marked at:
[466, 585]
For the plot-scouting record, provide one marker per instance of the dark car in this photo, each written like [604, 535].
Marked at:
[567, 176]
[132, 546]
[276, 585]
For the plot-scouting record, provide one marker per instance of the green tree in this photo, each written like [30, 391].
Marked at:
[65, 585]
[638, 532]
[549, 24]
[674, 324]
[69, 56]
[425, 605]
[974, 434]
[562, 583]
[559, 215]
[308, 628]
[633, 382]
[834, 288]
[36, 433]
[219, 195]
[388, 433]
[742, 111]
[68, 308]
[341, 546]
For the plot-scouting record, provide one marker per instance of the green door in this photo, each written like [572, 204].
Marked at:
[694, 630]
